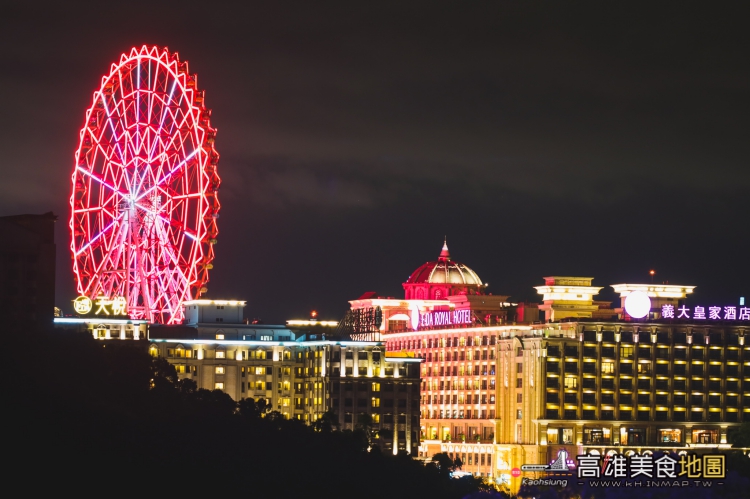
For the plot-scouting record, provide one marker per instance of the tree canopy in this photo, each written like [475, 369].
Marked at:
[90, 414]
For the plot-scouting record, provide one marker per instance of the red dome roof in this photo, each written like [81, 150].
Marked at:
[444, 271]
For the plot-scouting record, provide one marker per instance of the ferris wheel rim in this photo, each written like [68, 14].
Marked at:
[133, 209]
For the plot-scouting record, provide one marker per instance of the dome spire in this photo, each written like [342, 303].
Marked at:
[445, 256]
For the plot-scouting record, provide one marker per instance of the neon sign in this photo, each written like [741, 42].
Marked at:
[727, 313]
[637, 304]
[83, 305]
[444, 318]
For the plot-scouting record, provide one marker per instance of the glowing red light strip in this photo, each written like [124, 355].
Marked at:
[124, 196]
[165, 177]
[85, 246]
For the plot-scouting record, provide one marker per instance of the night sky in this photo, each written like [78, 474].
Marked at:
[542, 138]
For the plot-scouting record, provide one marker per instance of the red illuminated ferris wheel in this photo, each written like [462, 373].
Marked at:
[144, 202]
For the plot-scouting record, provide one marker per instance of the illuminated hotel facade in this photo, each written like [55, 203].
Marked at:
[584, 378]
[300, 374]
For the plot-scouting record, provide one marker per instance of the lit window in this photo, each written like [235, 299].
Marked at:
[376, 387]
[553, 435]
[567, 435]
[375, 402]
[219, 336]
[218, 386]
[260, 370]
[608, 367]
[219, 369]
[571, 382]
[220, 354]
[670, 436]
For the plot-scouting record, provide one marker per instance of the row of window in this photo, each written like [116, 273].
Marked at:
[643, 350]
[675, 415]
[459, 399]
[374, 386]
[646, 368]
[632, 436]
[458, 413]
[374, 402]
[645, 398]
[472, 459]
[459, 370]
[454, 341]
[673, 384]
[627, 352]
[181, 353]
[459, 384]
[459, 355]
[728, 337]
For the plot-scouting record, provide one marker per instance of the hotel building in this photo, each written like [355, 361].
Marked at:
[588, 378]
[301, 375]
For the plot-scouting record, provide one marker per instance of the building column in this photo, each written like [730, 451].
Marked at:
[407, 425]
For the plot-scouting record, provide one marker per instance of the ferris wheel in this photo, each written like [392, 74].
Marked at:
[144, 194]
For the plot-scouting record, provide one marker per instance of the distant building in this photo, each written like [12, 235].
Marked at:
[27, 270]
[301, 375]
[106, 328]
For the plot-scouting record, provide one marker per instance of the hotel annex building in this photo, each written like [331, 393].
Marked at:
[300, 374]
[502, 386]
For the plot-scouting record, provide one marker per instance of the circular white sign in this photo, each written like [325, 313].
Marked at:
[637, 304]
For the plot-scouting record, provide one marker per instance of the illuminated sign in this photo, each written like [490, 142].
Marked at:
[83, 305]
[637, 304]
[562, 463]
[649, 466]
[444, 318]
[727, 313]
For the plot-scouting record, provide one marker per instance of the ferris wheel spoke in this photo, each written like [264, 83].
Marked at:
[101, 181]
[95, 238]
[112, 129]
[95, 285]
[168, 175]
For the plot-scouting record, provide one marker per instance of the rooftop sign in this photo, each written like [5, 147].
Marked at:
[444, 318]
[726, 313]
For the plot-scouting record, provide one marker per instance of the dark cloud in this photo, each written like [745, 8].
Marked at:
[579, 137]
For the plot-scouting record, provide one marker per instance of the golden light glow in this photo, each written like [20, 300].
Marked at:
[82, 305]
[215, 302]
[305, 322]
[654, 290]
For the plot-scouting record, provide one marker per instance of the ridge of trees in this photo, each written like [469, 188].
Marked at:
[92, 415]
